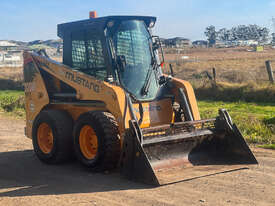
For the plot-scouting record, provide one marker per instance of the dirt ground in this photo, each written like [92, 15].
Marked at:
[24, 180]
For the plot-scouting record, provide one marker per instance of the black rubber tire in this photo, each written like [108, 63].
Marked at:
[106, 129]
[61, 124]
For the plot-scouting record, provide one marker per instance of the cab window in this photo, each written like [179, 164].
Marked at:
[87, 54]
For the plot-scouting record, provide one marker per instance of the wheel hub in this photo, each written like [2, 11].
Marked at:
[45, 138]
[88, 142]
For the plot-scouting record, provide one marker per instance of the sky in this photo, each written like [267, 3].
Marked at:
[28, 20]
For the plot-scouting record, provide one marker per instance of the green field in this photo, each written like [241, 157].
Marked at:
[255, 120]
[10, 93]
[12, 103]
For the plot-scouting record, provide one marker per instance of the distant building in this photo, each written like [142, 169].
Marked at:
[250, 43]
[11, 59]
[220, 44]
[259, 48]
[6, 45]
[200, 43]
[10, 55]
[240, 43]
[162, 41]
[177, 42]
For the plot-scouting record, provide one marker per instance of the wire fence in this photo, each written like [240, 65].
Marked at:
[259, 74]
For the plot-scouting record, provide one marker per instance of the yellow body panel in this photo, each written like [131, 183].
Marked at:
[156, 113]
[188, 89]
[88, 88]
[36, 96]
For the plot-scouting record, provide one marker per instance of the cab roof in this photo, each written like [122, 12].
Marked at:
[99, 23]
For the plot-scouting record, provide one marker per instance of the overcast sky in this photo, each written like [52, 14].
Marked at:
[28, 20]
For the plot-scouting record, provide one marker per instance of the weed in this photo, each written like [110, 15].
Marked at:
[267, 146]
[255, 120]
[12, 102]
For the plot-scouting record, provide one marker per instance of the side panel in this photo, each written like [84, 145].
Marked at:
[75, 111]
[36, 96]
[156, 113]
[188, 89]
[87, 88]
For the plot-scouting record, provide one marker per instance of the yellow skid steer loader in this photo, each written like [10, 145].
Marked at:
[110, 104]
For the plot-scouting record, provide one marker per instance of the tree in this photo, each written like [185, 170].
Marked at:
[211, 34]
[224, 35]
[273, 39]
[243, 32]
[264, 33]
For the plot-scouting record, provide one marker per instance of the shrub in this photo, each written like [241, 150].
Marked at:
[10, 103]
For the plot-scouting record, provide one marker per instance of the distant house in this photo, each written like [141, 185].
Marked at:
[11, 59]
[251, 43]
[11, 51]
[200, 43]
[10, 54]
[162, 41]
[177, 42]
[220, 44]
[240, 43]
[6, 45]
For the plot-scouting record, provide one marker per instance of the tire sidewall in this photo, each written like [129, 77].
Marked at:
[43, 118]
[100, 138]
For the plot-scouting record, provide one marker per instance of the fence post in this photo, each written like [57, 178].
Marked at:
[171, 70]
[269, 71]
[214, 75]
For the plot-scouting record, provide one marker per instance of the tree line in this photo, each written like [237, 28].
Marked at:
[241, 32]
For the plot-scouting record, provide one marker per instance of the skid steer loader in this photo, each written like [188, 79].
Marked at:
[110, 105]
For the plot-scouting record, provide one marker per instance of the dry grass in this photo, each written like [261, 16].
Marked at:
[11, 78]
[234, 92]
[11, 72]
[214, 54]
[232, 64]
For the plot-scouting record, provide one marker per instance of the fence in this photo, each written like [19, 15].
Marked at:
[213, 76]
[269, 71]
[263, 72]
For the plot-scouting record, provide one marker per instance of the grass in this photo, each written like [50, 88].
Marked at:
[12, 103]
[255, 120]
[248, 92]
[242, 81]
[234, 65]
[11, 93]
[11, 78]
[267, 146]
[251, 105]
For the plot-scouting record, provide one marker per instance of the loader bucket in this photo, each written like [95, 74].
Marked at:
[183, 151]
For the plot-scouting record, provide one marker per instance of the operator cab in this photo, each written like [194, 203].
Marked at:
[117, 49]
